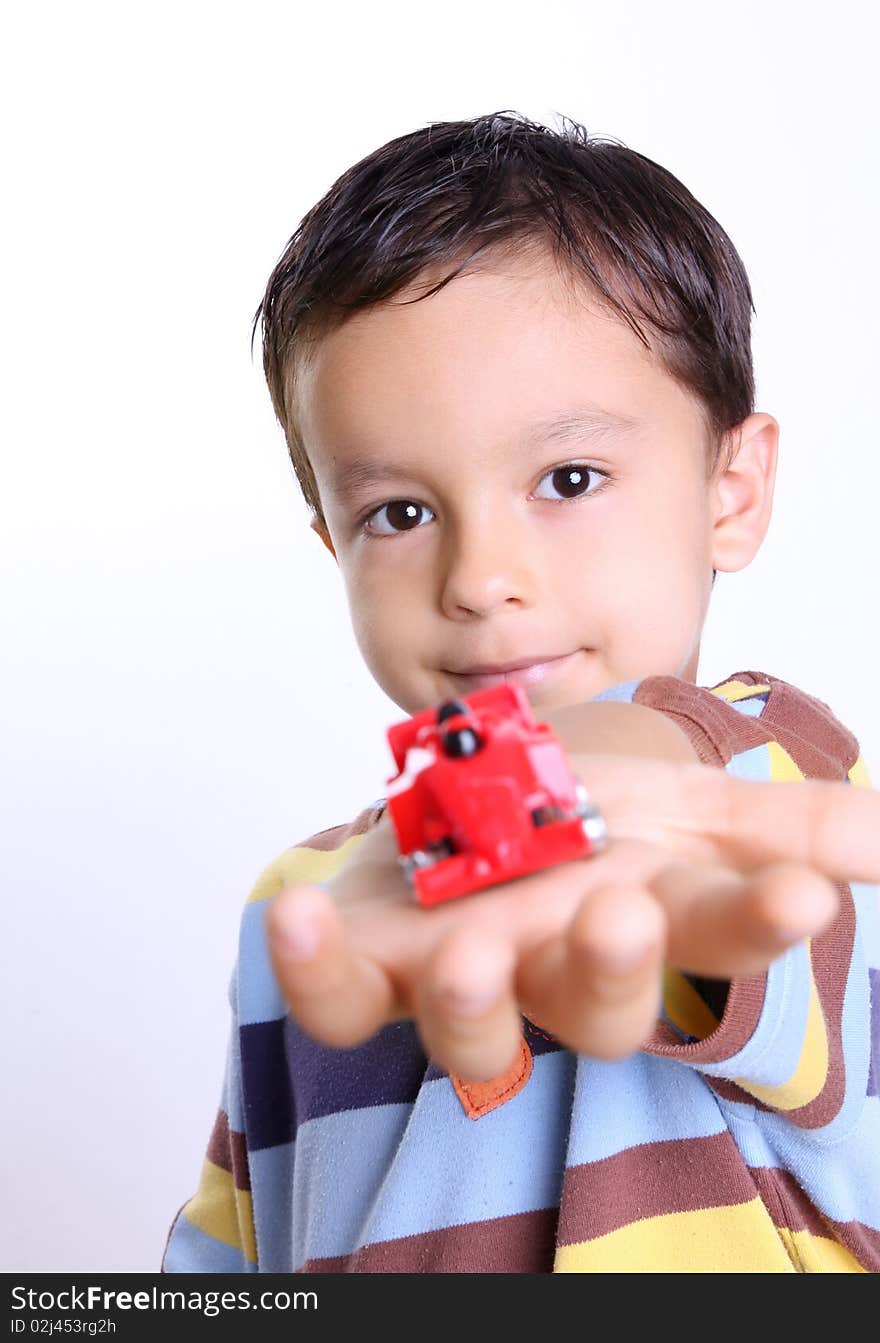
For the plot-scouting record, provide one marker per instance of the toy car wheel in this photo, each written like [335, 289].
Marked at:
[546, 815]
[594, 827]
[451, 708]
[592, 820]
[411, 862]
[461, 742]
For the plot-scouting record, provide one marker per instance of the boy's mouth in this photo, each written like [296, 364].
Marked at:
[524, 671]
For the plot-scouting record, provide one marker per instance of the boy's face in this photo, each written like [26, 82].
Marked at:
[514, 488]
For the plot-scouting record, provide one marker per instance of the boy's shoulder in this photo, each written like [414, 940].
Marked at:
[316, 858]
[754, 709]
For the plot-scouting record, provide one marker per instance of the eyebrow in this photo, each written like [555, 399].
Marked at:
[592, 422]
[363, 472]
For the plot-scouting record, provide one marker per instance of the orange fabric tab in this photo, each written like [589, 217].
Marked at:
[478, 1098]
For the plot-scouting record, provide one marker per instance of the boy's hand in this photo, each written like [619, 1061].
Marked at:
[714, 875]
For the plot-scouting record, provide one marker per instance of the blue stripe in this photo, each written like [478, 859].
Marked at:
[840, 1179]
[401, 1170]
[272, 1175]
[193, 1251]
[641, 1099]
[752, 707]
[855, 1027]
[855, 1034]
[259, 998]
[777, 1040]
[874, 1065]
[751, 764]
[867, 902]
[341, 1163]
[622, 692]
[232, 1101]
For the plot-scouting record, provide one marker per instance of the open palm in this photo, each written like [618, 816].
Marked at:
[714, 875]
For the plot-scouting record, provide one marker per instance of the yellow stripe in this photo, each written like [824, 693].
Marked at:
[222, 1211]
[818, 1254]
[301, 866]
[809, 1076]
[737, 1239]
[782, 767]
[737, 690]
[684, 1006]
[859, 774]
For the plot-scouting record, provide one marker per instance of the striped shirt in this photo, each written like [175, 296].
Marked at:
[743, 1136]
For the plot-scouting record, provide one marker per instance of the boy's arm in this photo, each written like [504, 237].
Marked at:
[214, 1230]
[619, 728]
[717, 875]
[795, 1038]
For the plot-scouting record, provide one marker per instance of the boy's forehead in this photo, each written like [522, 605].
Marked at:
[513, 345]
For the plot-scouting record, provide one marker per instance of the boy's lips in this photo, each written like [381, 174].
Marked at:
[524, 671]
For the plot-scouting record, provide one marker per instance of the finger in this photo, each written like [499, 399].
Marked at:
[466, 1011]
[722, 923]
[597, 986]
[833, 827]
[339, 998]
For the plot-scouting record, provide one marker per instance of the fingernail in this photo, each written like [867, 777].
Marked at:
[627, 951]
[296, 926]
[299, 943]
[623, 941]
[467, 1002]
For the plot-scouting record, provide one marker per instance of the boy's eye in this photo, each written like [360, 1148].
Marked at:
[400, 515]
[563, 482]
[567, 482]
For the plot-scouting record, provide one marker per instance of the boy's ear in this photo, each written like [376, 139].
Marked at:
[317, 525]
[743, 493]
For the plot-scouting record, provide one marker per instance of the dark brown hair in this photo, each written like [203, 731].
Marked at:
[442, 196]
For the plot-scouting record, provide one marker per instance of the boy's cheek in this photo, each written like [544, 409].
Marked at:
[389, 643]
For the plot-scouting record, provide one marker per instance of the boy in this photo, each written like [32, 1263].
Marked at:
[513, 368]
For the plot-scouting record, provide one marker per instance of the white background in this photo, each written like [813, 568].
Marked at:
[180, 695]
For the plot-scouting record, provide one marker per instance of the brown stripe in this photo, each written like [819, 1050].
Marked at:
[863, 1243]
[820, 746]
[651, 1180]
[524, 1243]
[831, 956]
[745, 1000]
[787, 1202]
[729, 1091]
[790, 1207]
[805, 727]
[716, 730]
[228, 1150]
[218, 1143]
[336, 836]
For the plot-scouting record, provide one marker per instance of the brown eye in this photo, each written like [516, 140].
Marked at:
[567, 482]
[400, 515]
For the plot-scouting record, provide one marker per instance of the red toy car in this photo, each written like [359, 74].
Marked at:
[484, 793]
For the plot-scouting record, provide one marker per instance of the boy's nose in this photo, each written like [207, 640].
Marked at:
[483, 573]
